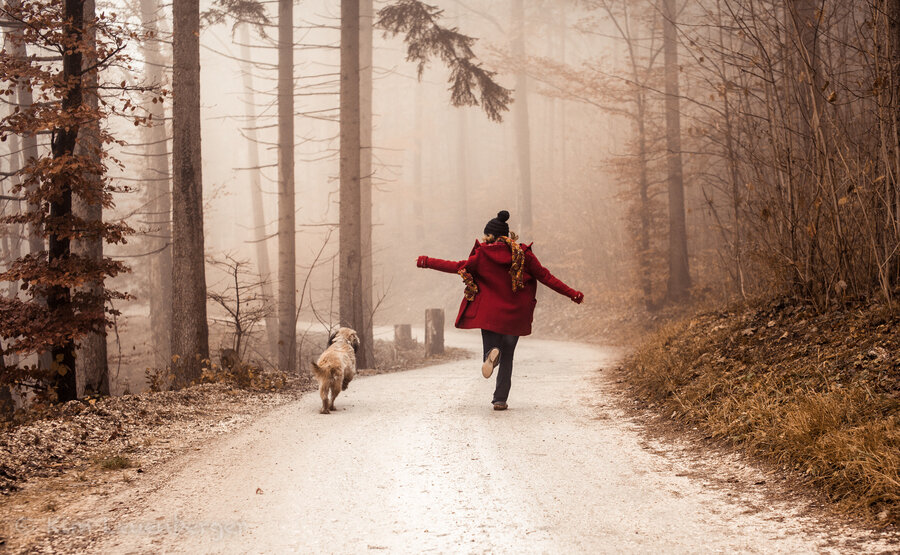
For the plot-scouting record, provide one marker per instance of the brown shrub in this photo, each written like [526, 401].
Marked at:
[817, 394]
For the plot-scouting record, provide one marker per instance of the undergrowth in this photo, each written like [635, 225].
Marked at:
[818, 394]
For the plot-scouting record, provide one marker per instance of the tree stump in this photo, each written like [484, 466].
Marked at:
[403, 336]
[434, 332]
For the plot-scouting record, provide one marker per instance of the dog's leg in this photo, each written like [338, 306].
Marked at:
[323, 393]
[335, 389]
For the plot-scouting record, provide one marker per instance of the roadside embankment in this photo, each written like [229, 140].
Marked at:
[818, 394]
[84, 439]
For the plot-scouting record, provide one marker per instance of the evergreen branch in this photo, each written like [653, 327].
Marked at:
[470, 83]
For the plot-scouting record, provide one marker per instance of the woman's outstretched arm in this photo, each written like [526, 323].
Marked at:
[449, 266]
[543, 275]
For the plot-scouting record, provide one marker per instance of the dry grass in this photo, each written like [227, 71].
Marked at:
[116, 462]
[818, 394]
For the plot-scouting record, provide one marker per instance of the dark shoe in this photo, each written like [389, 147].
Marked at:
[499, 405]
[490, 362]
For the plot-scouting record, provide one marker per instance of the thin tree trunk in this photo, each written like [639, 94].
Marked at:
[418, 202]
[287, 232]
[561, 103]
[91, 360]
[11, 251]
[16, 48]
[351, 303]
[256, 200]
[59, 297]
[520, 114]
[644, 270]
[7, 405]
[731, 156]
[190, 331]
[462, 163]
[892, 202]
[36, 242]
[157, 177]
[14, 232]
[679, 276]
[366, 356]
[462, 171]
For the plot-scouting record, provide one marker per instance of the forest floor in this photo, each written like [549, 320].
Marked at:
[813, 394]
[416, 461]
[53, 457]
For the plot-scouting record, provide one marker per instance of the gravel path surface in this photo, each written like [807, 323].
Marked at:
[417, 461]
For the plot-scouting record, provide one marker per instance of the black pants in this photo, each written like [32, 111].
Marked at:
[507, 346]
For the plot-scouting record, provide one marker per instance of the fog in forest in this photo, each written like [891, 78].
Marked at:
[653, 151]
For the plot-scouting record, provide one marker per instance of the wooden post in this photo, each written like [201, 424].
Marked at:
[403, 336]
[434, 332]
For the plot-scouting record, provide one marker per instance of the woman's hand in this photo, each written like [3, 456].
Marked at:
[421, 262]
[578, 298]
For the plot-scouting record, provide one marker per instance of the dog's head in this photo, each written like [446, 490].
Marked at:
[346, 335]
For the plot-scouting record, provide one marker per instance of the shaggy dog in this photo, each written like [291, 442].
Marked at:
[336, 366]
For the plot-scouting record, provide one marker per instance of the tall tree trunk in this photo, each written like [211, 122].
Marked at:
[12, 235]
[287, 231]
[462, 172]
[351, 303]
[801, 77]
[418, 203]
[190, 331]
[91, 360]
[157, 178]
[644, 269]
[11, 250]
[462, 161]
[366, 356]
[259, 216]
[59, 297]
[731, 156]
[561, 104]
[24, 98]
[804, 23]
[892, 120]
[679, 275]
[520, 114]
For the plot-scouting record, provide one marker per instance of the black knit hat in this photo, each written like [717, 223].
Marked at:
[498, 226]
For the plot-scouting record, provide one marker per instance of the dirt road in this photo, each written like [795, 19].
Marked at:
[418, 461]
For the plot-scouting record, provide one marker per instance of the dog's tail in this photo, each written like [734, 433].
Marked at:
[317, 370]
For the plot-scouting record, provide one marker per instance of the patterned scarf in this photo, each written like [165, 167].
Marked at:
[518, 261]
[471, 288]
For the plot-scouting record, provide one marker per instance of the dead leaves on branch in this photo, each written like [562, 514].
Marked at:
[59, 60]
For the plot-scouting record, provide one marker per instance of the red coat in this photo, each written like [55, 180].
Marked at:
[496, 307]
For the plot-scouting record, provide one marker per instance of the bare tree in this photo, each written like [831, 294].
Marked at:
[242, 300]
[287, 232]
[352, 313]
[366, 174]
[91, 363]
[253, 169]
[522, 123]
[29, 145]
[190, 330]
[157, 192]
[679, 275]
